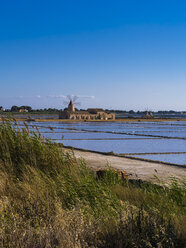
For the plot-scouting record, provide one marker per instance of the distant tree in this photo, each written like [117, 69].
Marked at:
[117, 111]
[29, 108]
[14, 108]
[26, 107]
[1, 108]
[131, 112]
[52, 110]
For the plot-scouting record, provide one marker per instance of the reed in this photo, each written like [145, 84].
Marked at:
[48, 198]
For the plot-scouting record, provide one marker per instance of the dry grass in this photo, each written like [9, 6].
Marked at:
[48, 199]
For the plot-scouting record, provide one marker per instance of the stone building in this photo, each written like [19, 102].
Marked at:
[23, 110]
[148, 114]
[89, 114]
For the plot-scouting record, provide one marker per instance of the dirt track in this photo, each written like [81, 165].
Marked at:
[137, 169]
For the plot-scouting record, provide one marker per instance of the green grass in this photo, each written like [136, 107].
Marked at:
[48, 198]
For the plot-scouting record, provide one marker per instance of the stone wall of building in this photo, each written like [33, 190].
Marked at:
[90, 114]
[80, 115]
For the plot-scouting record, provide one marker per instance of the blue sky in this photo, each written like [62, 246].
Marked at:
[128, 54]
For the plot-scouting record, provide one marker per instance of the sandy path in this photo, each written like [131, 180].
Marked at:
[140, 169]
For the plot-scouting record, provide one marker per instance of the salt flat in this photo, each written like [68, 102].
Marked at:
[138, 169]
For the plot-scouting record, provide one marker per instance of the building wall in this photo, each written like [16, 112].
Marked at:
[86, 116]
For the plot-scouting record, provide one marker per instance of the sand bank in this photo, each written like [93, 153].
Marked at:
[137, 169]
[117, 120]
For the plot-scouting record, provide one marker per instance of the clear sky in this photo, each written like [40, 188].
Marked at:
[129, 54]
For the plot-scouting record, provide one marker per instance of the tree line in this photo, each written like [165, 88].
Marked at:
[15, 108]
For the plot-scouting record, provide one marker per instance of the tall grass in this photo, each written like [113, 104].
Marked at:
[48, 198]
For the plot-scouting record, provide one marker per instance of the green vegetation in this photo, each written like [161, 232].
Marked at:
[50, 199]
[15, 110]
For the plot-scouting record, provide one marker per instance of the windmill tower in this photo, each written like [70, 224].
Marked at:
[71, 107]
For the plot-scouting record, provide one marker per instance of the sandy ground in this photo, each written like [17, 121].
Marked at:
[25, 118]
[135, 168]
